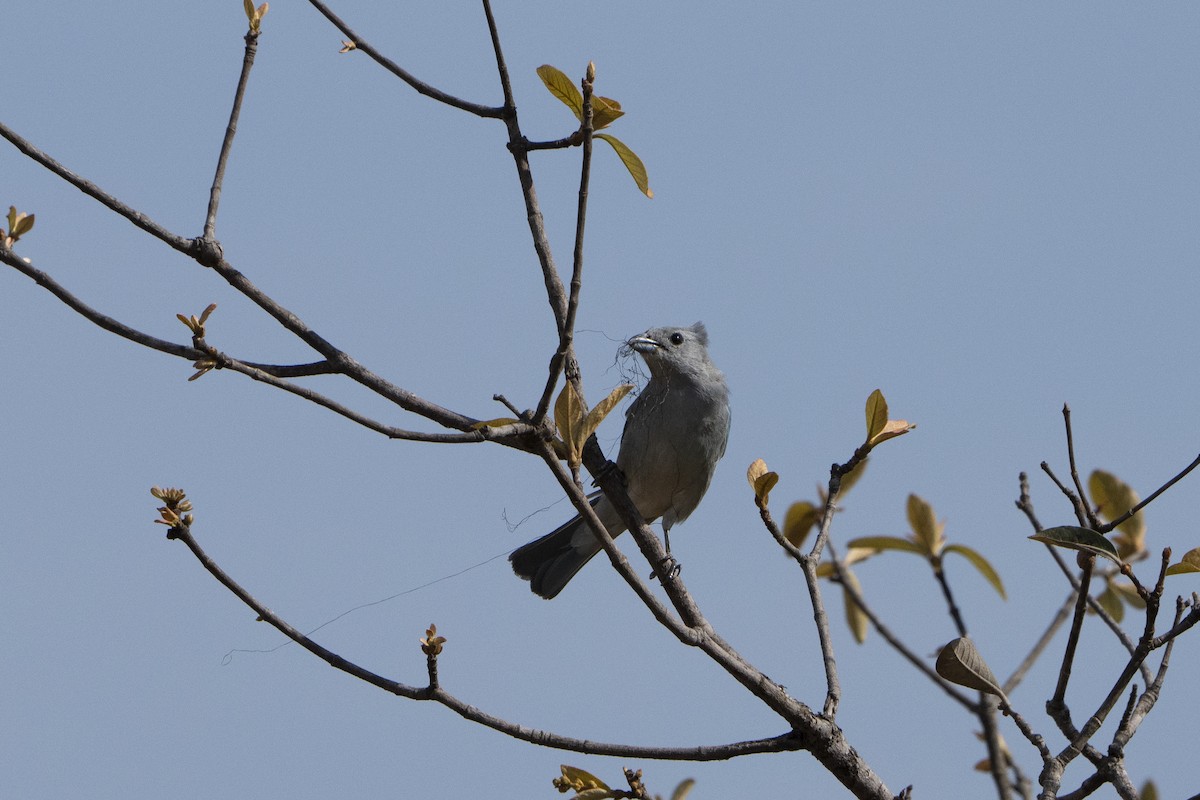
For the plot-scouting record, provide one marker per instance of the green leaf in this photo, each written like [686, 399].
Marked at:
[24, 225]
[1110, 601]
[1075, 538]
[761, 481]
[495, 423]
[855, 618]
[925, 526]
[637, 169]
[799, 521]
[851, 477]
[562, 87]
[605, 111]
[569, 414]
[877, 414]
[602, 409]
[595, 794]
[887, 543]
[1113, 498]
[683, 789]
[1127, 592]
[582, 778]
[959, 662]
[1189, 563]
[980, 563]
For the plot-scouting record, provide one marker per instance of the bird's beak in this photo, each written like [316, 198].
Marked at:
[643, 344]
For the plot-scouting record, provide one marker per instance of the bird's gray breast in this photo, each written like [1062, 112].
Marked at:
[675, 432]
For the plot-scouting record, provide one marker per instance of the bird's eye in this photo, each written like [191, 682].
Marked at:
[677, 338]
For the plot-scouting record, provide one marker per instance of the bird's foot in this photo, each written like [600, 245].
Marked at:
[668, 570]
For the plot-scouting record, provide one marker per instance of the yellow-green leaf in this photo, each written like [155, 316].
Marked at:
[498, 422]
[561, 87]
[605, 111]
[1127, 592]
[959, 662]
[877, 414]
[926, 528]
[602, 409]
[756, 470]
[887, 543]
[799, 521]
[1075, 538]
[569, 413]
[851, 477]
[582, 778]
[637, 170]
[1110, 602]
[1113, 498]
[891, 429]
[761, 481]
[855, 618]
[853, 556]
[857, 554]
[23, 226]
[683, 789]
[595, 794]
[980, 563]
[1189, 563]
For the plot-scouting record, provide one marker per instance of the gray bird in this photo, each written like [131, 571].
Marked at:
[675, 433]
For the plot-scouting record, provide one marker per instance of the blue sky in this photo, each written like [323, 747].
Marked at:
[985, 211]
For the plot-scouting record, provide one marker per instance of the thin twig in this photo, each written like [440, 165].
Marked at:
[1092, 522]
[209, 255]
[1025, 504]
[214, 197]
[92, 190]
[1081, 513]
[920, 663]
[1182, 474]
[467, 437]
[939, 575]
[1064, 670]
[479, 110]
[585, 173]
[555, 293]
[564, 356]
[808, 566]
[1039, 646]
[985, 709]
[119, 328]
[106, 322]
[784, 742]
[573, 140]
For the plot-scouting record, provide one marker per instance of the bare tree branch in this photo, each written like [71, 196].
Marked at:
[1153, 496]
[214, 197]
[426, 89]
[785, 742]
[92, 190]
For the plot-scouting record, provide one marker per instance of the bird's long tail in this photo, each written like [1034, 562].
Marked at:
[550, 562]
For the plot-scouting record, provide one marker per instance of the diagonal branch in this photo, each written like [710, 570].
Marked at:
[214, 196]
[92, 315]
[92, 190]
[420, 86]
[1154, 495]
[469, 437]
[808, 566]
[564, 356]
[785, 742]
